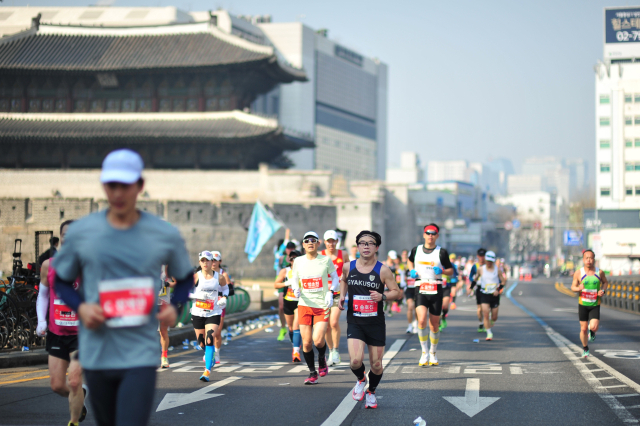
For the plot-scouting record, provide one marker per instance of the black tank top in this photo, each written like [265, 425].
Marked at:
[361, 309]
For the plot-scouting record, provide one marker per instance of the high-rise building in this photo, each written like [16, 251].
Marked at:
[439, 171]
[617, 100]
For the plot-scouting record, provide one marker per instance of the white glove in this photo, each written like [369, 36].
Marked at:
[296, 292]
[329, 299]
[222, 302]
[41, 329]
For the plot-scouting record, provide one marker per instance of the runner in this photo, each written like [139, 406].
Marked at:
[291, 307]
[428, 263]
[592, 284]
[365, 280]
[448, 289]
[217, 336]
[316, 298]
[62, 339]
[118, 252]
[473, 280]
[339, 258]
[164, 298]
[206, 311]
[410, 296]
[490, 283]
[289, 246]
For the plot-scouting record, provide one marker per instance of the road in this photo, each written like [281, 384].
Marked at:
[528, 375]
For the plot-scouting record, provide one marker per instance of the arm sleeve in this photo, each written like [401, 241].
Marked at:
[295, 280]
[181, 290]
[335, 281]
[224, 290]
[67, 293]
[42, 303]
[472, 273]
[444, 259]
[412, 256]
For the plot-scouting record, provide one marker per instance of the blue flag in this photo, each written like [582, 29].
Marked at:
[261, 228]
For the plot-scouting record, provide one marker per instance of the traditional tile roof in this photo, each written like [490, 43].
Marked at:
[215, 127]
[86, 49]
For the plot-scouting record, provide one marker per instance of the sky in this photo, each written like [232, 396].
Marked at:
[467, 79]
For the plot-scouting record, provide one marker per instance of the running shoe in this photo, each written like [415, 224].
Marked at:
[443, 324]
[203, 358]
[312, 379]
[371, 401]
[453, 306]
[83, 414]
[481, 329]
[205, 375]
[424, 359]
[295, 356]
[433, 360]
[585, 353]
[414, 324]
[489, 335]
[73, 424]
[330, 358]
[358, 390]
[410, 329]
[592, 336]
[323, 371]
[164, 362]
[336, 357]
[283, 334]
[216, 356]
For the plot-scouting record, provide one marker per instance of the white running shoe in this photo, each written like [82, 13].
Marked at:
[415, 326]
[358, 390]
[410, 329]
[433, 360]
[424, 359]
[217, 357]
[371, 401]
[336, 357]
[203, 358]
[489, 335]
[330, 358]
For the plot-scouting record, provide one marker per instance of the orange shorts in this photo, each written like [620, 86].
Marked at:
[309, 316]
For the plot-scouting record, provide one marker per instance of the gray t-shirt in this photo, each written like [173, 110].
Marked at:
[96, 251]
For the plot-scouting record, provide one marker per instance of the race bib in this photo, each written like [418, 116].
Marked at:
[363, 306]
[490, 288]
[429, 287]
[411, 282]
[589, 295]
[290, 294]
[206, 305]
[312, 284]
[127, 302]
[63, 316]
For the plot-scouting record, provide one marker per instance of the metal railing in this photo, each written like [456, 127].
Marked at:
[623, 293]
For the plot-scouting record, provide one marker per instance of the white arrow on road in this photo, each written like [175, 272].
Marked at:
[471, 403]
[173, 400]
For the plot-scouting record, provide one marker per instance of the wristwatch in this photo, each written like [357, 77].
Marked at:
[384, 297]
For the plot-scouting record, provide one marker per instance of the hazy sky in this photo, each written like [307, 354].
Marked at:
[468, 79]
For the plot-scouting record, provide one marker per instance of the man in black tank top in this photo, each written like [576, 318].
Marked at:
[364, 280]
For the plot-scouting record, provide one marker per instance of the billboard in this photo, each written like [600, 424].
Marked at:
[622, 32]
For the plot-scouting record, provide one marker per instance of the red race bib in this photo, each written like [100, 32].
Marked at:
[429, 287]
[63, 315]
[363, 306]
[127, 302]
[206, 305]
[589, 295]
[312, 284]
[411, 282]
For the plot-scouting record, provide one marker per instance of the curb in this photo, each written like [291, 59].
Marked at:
[176, 337]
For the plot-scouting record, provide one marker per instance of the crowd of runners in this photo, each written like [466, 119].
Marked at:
[122, 275]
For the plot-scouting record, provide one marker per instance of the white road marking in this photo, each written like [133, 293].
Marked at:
[488, 369]
[515, 370]
[342, 411]
[173, 400]
[626, 395]
[619, 353]
[471, 403]
[173, 365]
[572, 310]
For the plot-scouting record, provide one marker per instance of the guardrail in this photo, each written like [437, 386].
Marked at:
[623, 293]
[239, 302]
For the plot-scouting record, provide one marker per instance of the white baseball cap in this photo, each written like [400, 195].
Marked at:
[331, 235]
[216, 255]
[490, 256]
[206, 255]
[393, 255]
[122, 165]
[311, 234]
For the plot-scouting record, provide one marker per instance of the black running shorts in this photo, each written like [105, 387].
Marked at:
[200, 322]
[410, 293]
[446, 292]
[290, 306]
[433, 302]
[61, 346]
[587, 313]
[370, 334]
[490, 299]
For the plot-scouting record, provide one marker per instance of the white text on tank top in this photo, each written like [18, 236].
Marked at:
[205, 303]
[489, 280]
[424, 264]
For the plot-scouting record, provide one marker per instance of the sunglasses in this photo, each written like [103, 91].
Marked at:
[310, 241]
[431, 233]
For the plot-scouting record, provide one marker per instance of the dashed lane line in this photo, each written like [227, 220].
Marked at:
[571, 351]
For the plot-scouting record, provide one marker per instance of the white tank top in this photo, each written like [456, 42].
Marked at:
[424, 264]
[206, 293]
[489, 280]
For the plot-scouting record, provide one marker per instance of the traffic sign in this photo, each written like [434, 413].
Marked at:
[508, 225]
[572, 238]
[516, 223]
[537, 225]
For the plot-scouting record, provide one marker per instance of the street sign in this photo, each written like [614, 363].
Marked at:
[516, 223]
[572, 238]
[508, 225]
[537, 225]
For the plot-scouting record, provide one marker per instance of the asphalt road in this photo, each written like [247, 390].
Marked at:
[528, 375]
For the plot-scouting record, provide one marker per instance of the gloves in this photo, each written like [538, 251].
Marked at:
[222, 302]
[41, 329]
[296, 292]
[437, 270]
[328, 298]
[413, 273]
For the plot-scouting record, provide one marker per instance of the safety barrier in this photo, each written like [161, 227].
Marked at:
[239, 302]
[623, 293]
